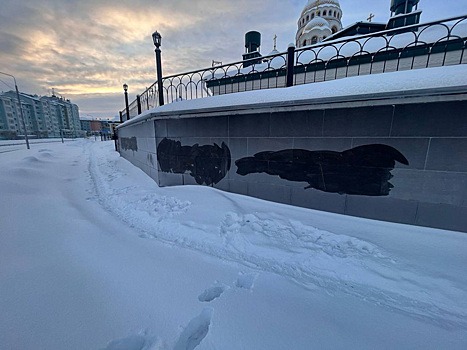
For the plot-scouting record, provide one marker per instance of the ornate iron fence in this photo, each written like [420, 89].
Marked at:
[433, 44]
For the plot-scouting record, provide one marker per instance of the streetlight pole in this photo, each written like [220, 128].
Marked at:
[20, 110]
[157, 38]
[125, 88]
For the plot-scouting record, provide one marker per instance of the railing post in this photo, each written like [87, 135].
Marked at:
[138, 101]
[121, 117]
[127, 107]
[290, 65]
[160, 88]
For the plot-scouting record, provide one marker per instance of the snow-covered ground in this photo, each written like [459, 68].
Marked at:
[93, 255]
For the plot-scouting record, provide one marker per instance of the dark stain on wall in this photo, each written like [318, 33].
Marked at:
[129, 143]
[208, 164]
[363, 170]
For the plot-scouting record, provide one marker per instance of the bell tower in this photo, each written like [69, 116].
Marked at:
[403, 6]
[404, 13]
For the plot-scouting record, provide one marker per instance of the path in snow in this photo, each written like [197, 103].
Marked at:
[269, 241]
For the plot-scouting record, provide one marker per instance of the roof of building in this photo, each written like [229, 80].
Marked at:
[358, 28]
[316, 3]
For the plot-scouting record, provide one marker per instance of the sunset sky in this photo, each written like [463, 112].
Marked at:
[87, 49]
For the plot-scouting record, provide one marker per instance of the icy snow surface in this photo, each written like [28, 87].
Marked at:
[93, 255]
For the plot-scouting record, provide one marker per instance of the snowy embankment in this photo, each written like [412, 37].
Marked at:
[286, 240]
[92, 250]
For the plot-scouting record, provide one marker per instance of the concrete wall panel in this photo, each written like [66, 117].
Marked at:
[448, 154]
[430, 191]
[249, 125]
[437, 119]
[319, 200]
[362, 121]
[161, 128]
[452, 217]
[296, 124]
[387, 209]
[240, 187]
[270, 192]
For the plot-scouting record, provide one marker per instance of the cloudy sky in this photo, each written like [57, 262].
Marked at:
[87, 49]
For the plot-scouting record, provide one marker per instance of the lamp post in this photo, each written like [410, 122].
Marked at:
[20, 110]
[156, 38]
[125, 88]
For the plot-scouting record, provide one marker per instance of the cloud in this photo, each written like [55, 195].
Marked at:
[12, 43]
[93, 47]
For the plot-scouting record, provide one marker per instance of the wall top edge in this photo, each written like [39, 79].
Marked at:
[456, 93]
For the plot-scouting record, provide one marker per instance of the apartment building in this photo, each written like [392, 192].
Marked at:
[44, 117]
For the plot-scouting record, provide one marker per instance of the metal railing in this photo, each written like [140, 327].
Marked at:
[433, 44]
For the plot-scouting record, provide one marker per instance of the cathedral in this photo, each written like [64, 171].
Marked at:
[320, 20]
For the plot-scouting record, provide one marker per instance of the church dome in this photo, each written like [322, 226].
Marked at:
[319, 20]
[316, 23]
[315, 3]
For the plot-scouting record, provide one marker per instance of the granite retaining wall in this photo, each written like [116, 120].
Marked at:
[392, 158]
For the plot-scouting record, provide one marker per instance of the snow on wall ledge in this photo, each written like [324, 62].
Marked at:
[387, 84]
[390, 147]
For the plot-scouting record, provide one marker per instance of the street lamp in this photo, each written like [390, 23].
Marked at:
[20, 110]
[157, 38]
[127, 107]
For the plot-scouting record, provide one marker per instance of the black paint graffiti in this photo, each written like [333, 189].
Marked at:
[208, 164]
[363, 170]
[129, 143]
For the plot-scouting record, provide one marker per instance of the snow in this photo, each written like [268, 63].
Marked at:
[417, 79]
[94, 255]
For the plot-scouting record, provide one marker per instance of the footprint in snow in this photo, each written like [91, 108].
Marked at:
[212, 293]
[195, 331]
[246, 280]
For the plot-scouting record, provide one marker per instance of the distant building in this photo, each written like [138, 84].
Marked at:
[97, 126]
[86, 126]
[44, 117]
